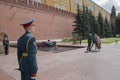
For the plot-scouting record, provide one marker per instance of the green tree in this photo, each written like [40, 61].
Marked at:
[108, 29]
[81, 22]
[94, 24]
[85, 21]
[101, 24]
[117, 23]
[78, 22]
[110, 33]
[113, 29]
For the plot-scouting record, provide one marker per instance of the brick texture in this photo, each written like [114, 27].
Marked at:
[51, 23]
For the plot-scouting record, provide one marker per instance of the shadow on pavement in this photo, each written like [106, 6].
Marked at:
[92, 51]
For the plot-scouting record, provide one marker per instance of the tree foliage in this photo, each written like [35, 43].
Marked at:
[94, 24]
[101, 24]
[86, 22]
[108, 29]
[117, 22]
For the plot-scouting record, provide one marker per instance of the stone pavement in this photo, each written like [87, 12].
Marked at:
[69, 65]
[5, 76]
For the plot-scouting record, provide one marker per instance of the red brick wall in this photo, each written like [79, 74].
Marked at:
[49, 24]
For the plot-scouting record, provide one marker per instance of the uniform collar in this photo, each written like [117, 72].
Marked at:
[27, 32]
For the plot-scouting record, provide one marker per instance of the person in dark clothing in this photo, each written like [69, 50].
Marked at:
[6, 44]
[80, 39]
[89, 37]
[94, 41]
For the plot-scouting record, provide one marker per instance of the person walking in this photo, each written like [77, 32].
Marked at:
[26, 52]
[89, 37]
[6, 44]
[96, 41]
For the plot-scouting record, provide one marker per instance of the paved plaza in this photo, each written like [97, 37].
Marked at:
[69, 65]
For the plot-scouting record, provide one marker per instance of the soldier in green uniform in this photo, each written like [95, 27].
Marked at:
[26, 52]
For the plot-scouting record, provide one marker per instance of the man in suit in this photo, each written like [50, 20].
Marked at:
[26, 52]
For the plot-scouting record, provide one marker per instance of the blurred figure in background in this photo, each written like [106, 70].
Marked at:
[96, 40]
[89, 37]
[6, 44]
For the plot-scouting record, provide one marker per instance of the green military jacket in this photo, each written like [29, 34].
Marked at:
[27, 64]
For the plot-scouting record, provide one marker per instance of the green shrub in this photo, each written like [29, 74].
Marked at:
[103, 40]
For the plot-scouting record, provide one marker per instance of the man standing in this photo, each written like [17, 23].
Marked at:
[6, 44]
[26, 52]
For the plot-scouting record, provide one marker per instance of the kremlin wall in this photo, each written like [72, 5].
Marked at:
[53, 18]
